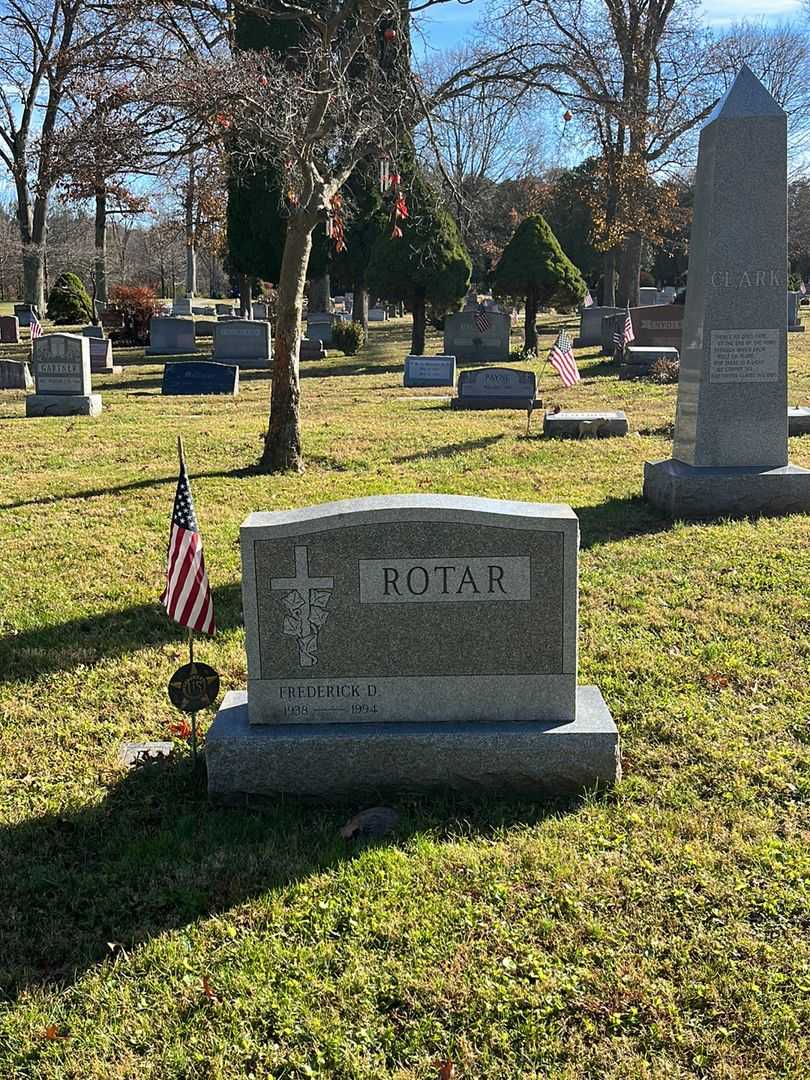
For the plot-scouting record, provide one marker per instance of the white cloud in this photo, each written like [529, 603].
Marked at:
[718, 12]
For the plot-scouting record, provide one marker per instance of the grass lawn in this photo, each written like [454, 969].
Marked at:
[658, 931]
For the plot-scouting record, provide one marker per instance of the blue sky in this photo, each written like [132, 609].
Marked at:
[448, 25]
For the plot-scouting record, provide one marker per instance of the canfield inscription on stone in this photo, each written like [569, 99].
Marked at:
[411, 611]
[416, 642]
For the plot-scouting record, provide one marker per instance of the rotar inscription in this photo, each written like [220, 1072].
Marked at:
[406, 581]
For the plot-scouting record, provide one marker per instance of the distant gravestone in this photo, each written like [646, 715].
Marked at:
[260, 310]
[660, 325]
[62, 376]
[207, 311]
[799, 421]
[590, 324]
[647, 295]
[611, 325]
[15, 375]
[224, 309]
[101, 357]
[24, 313]
[638, 361]
[93, 331]
[9, 330]
[312, 350]
[319, 326]
[204, 328]
[496, 388]
[200, 377]
[729, 456]
[582, 425]
[411, 642]
[471, 340]
[182, 305]
[243, 342]
[171, 337]
[429, 371]
[794, 322]
[377, 314]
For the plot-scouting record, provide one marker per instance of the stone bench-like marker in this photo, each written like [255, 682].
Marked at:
[429, 371]
[9, 330]
[583, 425]
[199, 377]
[15, 375]
[372, 667]
[244, 342]
[639, 360]
[799, 421]
[496, 388]
[170, 336]
[62, 378]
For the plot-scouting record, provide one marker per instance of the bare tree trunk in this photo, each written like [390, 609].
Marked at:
[629, 274]
[418, 334]
[101, 245]
[191, 249]
[282, 447]
[609, 279]
[530, 329]
[360, 307]
[245, 296]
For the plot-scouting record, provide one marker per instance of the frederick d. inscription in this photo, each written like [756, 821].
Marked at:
[744, 356]
[446, 580]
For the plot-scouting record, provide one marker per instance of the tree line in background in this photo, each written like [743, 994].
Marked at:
[297, 141]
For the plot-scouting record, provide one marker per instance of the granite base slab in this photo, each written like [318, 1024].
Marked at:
[796, 329]
[337, 761]
[691, 493]
[799, 421]
[494, 403]
[63, 405]
[578, 425]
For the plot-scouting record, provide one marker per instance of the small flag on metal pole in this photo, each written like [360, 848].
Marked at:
[562, 360]
[623, 336]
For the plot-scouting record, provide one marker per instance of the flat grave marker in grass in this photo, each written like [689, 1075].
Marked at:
[417, 642]
[730, 449]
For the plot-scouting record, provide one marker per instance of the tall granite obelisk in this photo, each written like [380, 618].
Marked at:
[729, 456]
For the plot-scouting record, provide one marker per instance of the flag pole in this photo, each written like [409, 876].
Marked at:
[182, 457]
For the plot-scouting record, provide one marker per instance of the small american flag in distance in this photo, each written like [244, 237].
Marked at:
[562, 360]
[482, 319]
[187, 596]
[625, 336]
[36, 326]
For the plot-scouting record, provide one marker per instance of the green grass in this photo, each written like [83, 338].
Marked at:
[659, 931]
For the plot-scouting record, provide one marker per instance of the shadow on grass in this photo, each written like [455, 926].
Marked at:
[92, 638]
[90, 884]
[135, 485]
[618, 519]
[449, 451]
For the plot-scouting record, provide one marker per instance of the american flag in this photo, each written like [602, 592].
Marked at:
[187, 596]
[588, 301]
[36, 326]
[803, 289]
[562, 359]
[482, 319]
[624, 336]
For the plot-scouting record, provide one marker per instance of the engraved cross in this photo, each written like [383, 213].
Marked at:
[302, 582]
[306, 604]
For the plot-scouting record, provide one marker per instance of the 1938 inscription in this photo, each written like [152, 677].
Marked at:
[448, 580]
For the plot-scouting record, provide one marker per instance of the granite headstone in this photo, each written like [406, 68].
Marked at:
[62, 376]
[429, 371]
[9, 330]
[244, 342]
[171, 337]
[411, 642]
[200, 377]
[590, 324]
[496, 388]
[15, 375]
[470, 343]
